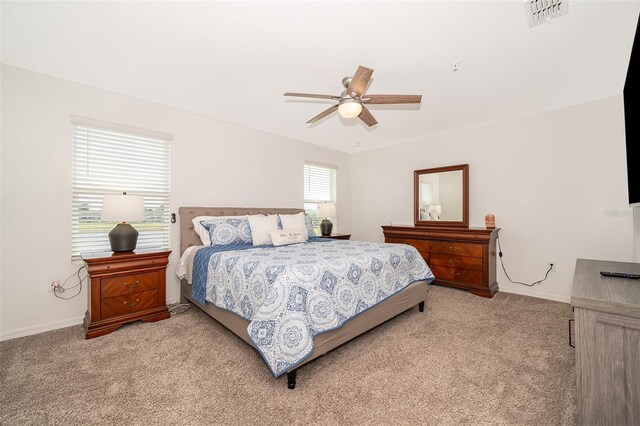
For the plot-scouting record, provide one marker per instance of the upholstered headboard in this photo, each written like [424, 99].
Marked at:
[188, 236]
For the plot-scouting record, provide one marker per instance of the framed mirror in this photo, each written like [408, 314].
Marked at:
[441, 196]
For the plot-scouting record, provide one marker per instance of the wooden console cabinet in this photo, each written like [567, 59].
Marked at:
[125, 287]
[458, 257]
[607, 327]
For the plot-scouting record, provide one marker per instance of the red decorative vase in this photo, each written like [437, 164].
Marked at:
[490, 221]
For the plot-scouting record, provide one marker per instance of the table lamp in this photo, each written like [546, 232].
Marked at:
[326, 210]
[123, 208]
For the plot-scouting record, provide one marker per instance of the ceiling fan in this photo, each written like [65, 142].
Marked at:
[351, 101]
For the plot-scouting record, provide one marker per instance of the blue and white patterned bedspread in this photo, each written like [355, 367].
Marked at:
[292, 293]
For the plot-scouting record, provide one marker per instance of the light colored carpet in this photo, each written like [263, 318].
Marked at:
[465, 360]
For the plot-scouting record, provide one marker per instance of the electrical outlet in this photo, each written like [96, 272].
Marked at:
[553, 266]
[53, 284]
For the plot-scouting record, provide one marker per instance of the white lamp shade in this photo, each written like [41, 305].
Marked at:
[123, 208]
[350, 109]
[327, 209]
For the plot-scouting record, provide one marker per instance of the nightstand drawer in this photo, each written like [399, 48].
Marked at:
[460, 249]
[453, 261]
[457, 275]
[127, 284]
[130, 303]
[127, 265]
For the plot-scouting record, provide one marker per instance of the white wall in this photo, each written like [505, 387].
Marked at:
[636, 226]
[556, 183]
[214, 163]
[451, 195]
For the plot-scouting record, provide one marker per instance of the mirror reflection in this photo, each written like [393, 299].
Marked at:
[441, 196]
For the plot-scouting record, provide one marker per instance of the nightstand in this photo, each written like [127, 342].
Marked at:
[125, 287]
[337, 236]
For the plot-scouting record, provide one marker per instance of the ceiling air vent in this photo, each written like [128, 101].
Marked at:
[543, 11]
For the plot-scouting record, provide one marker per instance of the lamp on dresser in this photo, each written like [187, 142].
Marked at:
[326, 210]
[123, 208]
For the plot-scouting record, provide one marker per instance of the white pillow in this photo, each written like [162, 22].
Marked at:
[261, 225]
[293, 222]
[280, 237]
[202, 232]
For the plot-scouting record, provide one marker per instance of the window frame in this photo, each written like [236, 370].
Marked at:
[151, 179]
[333, 195]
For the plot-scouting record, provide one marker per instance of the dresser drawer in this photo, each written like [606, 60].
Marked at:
[460, 249]
[127, 284]
[460, 262]
[463, 276]
[421, 245]
[130, 303]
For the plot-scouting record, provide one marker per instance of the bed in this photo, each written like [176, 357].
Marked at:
[414, 294]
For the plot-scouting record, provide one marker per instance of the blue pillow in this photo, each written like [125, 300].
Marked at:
[228, 230]
[309, 225]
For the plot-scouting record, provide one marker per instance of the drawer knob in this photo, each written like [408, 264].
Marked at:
[131, 305]
[134, 285]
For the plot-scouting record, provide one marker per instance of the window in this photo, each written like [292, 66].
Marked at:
[319, 186]
[109, 159]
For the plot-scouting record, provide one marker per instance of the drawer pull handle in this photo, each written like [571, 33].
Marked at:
[134, 285]
[132, 304]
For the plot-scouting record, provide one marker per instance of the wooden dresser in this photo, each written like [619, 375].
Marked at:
[125, 287]
[458, 257]
[607, 315]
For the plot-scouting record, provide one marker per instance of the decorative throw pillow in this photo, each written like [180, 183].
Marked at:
[227, 230]
[281, 237]
[309, 226]
[201, 230]
[261, 225]
[294, 222]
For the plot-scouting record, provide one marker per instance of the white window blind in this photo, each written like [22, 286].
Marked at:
[108, 161]
[320, 184]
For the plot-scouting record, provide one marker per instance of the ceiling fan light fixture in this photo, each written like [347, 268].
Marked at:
[350, 108]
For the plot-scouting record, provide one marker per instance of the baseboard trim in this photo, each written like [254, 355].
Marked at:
[548, 296]
[54, 325]
[40, 328]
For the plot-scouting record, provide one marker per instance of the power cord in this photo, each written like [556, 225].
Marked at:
[518, 282]
[173, 311]
[61, 288]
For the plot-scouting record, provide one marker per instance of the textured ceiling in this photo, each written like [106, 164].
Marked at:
[234, 60]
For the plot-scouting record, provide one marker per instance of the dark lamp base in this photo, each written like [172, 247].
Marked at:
[123, 237]
[326, 227]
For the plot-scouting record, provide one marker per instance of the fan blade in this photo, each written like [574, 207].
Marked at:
[311, 95]
[323, 113]
[360, 80]
[366, 116]
[392, 99]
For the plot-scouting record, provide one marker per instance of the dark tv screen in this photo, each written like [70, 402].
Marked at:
[632, 120]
